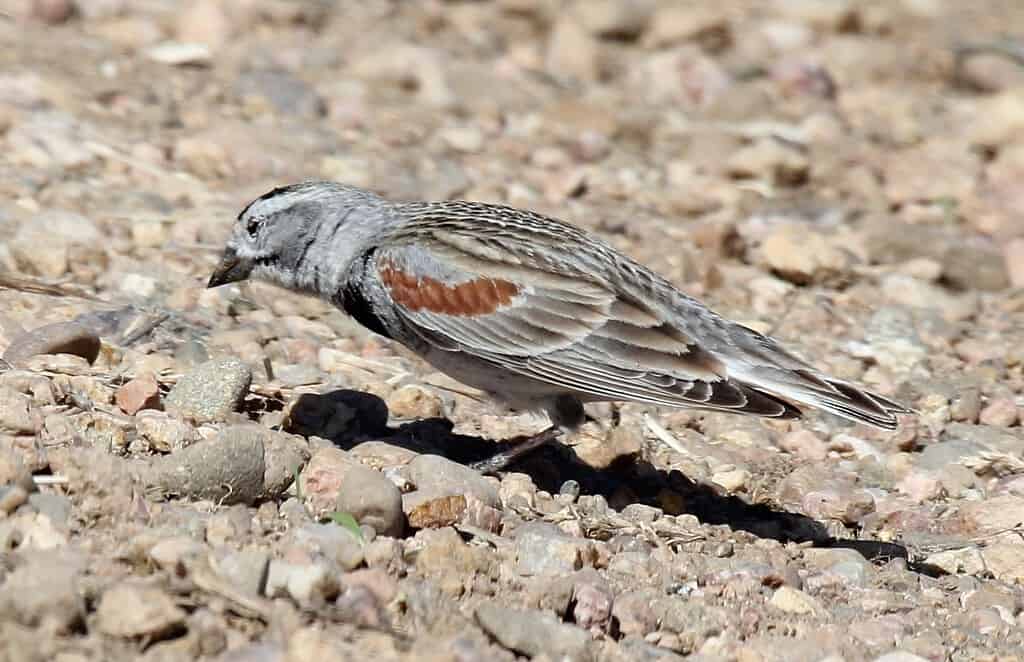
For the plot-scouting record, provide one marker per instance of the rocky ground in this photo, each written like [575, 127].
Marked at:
[238, 474]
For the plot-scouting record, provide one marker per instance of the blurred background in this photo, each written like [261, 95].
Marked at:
[845, 174]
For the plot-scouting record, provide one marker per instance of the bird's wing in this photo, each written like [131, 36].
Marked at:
[466, 292]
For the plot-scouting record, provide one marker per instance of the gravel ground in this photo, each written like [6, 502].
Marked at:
[241, 475]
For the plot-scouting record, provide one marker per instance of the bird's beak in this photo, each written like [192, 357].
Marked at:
[231, 269]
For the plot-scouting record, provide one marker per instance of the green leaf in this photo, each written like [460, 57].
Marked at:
[347, 522]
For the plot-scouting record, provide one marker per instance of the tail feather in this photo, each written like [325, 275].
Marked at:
[831, 395]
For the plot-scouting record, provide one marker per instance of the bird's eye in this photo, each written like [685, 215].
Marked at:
[252, 226]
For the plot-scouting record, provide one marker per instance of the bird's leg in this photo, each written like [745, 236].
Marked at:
[502, 459]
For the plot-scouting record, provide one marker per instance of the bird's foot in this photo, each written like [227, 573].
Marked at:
[502, 459]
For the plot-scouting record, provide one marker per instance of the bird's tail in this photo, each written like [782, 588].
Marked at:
[832, 395]
[762, 363]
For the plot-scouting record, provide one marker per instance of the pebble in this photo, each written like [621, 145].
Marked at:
[246, 569]
[210, 392]
[132, 610]
[794, 601]
[53, 12]
[59, 338]
[572, 52]
[542, 549]
[306, 584]
[333, 542]
[56, 507]
[371, 499]
[164, 433]
[17, 416]
[172, 554]
[227, 468]
[137, 394]
[1000, 412]
[802, 256]
[426, 511]
[179, 54]
[900, 656]
[846, 504]
[414, 402]
[533, 633]
[592, 599]
[44, 592]
[440, 476]
[612, 19]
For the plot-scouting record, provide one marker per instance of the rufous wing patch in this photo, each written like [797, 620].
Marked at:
[479, 296]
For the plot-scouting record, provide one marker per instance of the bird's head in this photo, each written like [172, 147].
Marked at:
[283, 235]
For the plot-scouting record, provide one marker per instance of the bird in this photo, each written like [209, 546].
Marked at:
[535, 312]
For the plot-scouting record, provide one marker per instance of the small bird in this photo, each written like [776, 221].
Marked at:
[531, 310]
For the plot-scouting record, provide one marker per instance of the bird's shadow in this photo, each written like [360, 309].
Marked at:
[348, 418]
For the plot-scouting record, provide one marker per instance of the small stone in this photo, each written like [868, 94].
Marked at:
[164, 433]
[227, 468]
[379, 583]
[635, 613]
[732, 480]
[1013, 254]
[533, 633]
[59, 338]
[899, 656]
[371, 499]
[674, 24]
[802, 256]
[965, 405]
[246, 569]
[143, 392]
[284, 455]
[211, 391]
[334, 542]
[132, 611]
[601, 449]
[305, 583]
[173, 554]
[794, 601]
[542, 549]
[44, 593]
[176, 53]
[55, 507]
[769, 160]
[12, 497]
[1001, 412]
[993, 515]
[414, 402]
[227, 525]
[1005, 560]
[592, 599]
[572, 53]
[428, 512]
[804, 443]
[466, 139]
[322, 478]
[204, 22]
[612, 18]
[846, 504]
[17, 416]
[440, 476]
[966, 560]
[975, 265]
[53, 12]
